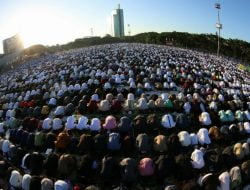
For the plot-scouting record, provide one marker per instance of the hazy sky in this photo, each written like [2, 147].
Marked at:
[59, 21]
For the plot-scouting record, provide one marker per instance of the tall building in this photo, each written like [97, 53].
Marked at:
[12, 44]
[117, 22]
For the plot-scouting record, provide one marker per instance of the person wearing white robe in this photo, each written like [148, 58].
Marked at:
[84, 86]
[47, 124]
[57, 124]
[104, 105]
[205, 118]
[82, 123]
[224, 181]
[130, 102]
[235, 174]
[70, 124]
[164, 96]
[246, 148]
[52, 101]
[197, 159]
[184, 138]
[95, 124]
[59, 110]
[168, 121]
[247, 127]
[106, 86]
[194, 139]
[15, 180]
[95, 97]
[26, 182]
[142, 104]
[247, 115]
[203, 136]
[213, 106]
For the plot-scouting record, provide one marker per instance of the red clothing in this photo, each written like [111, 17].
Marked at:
[23, 104]
[31, 103]
[92, 106]
[116, 106]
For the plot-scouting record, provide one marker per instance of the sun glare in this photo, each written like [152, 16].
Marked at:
[40, 26]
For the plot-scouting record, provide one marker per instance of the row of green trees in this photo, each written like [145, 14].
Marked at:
[234, 48]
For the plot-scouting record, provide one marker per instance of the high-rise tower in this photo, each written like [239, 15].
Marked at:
[117, 22]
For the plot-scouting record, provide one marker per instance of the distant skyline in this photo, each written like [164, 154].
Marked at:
[60, 21]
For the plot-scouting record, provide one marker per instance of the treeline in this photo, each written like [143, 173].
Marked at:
[234, 48]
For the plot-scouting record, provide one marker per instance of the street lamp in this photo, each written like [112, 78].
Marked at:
[218, 26]
[129, 30]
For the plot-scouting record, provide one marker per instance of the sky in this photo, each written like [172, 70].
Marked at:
[51, 22]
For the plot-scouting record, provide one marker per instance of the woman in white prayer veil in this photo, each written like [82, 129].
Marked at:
[142, 104]
[203, 136]
[224, 181]
[95, 124]
[82, 123]
[70, 124]
[197, 159]
[205, 119]
[168, 121]
[130, 102]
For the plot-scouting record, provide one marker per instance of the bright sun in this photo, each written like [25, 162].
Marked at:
[40, 26]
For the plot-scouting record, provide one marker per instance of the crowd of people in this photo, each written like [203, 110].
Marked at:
[125, 116]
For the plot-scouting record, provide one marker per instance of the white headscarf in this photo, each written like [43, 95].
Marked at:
[47, 184]
[203, 136]
[57, 124]
[77, 87]
[95, 124]
[164, 96]
[147, 85]
[184, 138]
[245, 148]
[247, 114]
[70, 124]
[47, 123]
[235, 173]
[59, 110]
[107, 85]
[132, 84]
[142, 104]
[205, 118]
[131, 96]
[224, 181]
[213, 106]
[84, 86]
[52, 101]
[82, 123]
[197, 159]
[247, 127]
[23, 161]
[95, 97]
[168, 121]
[194, 139]
[15, 179]
[26, 182]
[61, 185]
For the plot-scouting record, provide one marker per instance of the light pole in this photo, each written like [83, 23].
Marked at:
[218, 26]
[129, 30]
[91, 32]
